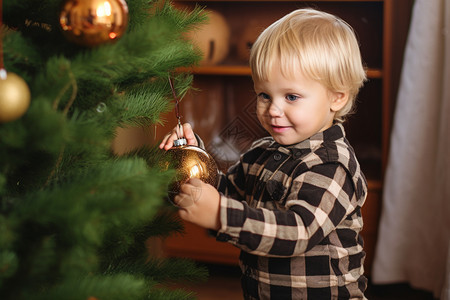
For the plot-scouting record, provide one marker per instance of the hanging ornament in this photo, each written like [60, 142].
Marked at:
[14, 96]
[14, 92]
[91, 23]
[188, 161]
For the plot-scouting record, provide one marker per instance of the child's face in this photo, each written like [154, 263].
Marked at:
[294, 109]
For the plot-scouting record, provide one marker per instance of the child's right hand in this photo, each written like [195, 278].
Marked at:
[187, 133]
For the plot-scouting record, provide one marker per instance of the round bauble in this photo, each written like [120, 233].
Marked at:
[190, 162]
[92, 23]
[14, 96]
[212, 38]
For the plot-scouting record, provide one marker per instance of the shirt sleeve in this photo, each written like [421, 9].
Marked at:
[319, 200]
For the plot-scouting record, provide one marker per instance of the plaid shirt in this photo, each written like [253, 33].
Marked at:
[295, 212]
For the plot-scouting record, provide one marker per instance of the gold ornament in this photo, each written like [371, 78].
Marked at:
[91, 23]
[14, 96]
[190, 162]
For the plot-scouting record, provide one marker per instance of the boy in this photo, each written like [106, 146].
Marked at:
[293, 202]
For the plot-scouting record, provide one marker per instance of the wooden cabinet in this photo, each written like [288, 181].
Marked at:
[221, 108]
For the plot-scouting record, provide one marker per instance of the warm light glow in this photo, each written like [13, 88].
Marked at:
[194, 171]
[112, 35]
[104, 9]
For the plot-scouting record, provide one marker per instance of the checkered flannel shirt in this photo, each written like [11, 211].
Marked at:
[295, 212]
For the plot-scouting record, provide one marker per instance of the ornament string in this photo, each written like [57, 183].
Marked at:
[2, 66]
[72, 83]
[180, 133]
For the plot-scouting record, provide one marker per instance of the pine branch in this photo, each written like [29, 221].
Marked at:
[74, 217]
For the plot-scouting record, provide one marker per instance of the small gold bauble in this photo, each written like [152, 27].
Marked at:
[91, 23]
[14, 96]
[190, 162]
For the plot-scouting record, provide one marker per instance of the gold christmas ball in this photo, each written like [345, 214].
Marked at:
[14, 96]
[190, 162]
[91, 23]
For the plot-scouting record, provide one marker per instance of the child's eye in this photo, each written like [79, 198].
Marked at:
[264, 97]
[292, 97]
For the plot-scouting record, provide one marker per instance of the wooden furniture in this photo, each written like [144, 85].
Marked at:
[221, 109]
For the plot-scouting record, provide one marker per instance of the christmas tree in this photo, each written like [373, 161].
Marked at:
[74, 215]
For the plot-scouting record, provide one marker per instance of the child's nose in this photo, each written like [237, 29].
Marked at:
[275, 110]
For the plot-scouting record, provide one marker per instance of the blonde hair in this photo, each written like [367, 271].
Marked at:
[321, 45]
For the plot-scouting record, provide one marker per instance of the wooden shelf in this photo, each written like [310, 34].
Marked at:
[238, 70]
[231, 70]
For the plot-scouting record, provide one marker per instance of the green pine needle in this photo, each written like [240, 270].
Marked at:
[75, 218]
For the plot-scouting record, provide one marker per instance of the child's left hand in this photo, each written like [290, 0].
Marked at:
[199, 203]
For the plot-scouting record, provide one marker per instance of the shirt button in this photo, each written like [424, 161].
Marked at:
[277, 156]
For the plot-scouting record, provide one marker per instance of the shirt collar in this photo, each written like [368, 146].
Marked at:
[335, 132]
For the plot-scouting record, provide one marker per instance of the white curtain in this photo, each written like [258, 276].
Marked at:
[414, 231]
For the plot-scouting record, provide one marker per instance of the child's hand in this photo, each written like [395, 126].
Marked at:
[187, 133]
[199, 204]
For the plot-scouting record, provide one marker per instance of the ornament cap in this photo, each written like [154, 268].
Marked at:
[3, 74]
[180, 142]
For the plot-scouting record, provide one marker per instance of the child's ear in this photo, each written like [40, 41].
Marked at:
[339, 100]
